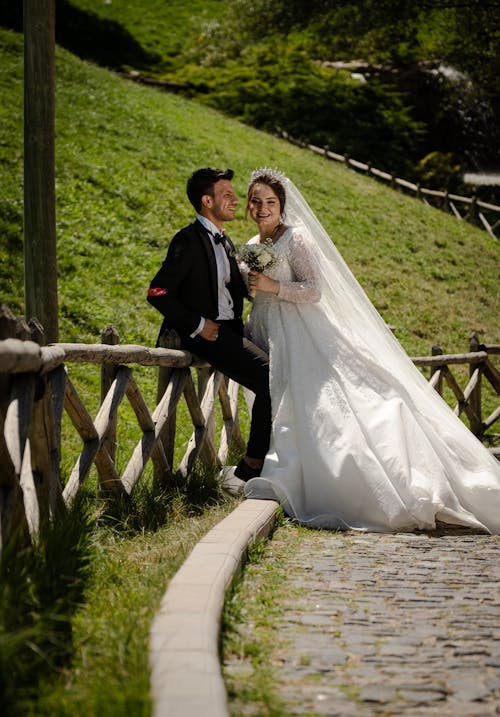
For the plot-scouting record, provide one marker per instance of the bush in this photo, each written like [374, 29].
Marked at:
[437, 170]
[322, 106]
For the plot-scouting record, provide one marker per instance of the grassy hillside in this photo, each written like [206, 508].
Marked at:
[124, 153]
[397, 118]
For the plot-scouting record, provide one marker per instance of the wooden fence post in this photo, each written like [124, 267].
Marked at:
[445, 204]
[44, 434]
[476, 421]
[40, 259]
[57, 390]
[13, 523]
[12, 327]
[108, 374]
[203, 379]
[437, 351]
[472, 214]
[24, 443]
[168, 340]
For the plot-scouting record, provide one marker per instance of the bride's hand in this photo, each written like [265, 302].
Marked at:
[261, 282]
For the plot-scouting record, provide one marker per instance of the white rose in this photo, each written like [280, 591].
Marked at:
[265, 258]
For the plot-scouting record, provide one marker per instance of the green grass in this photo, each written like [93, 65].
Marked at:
[42, 586]
[249, 641]
[109, 673]
[123, 154]
[251, 646]
[76, 608]
[161, 28]
[260, 62]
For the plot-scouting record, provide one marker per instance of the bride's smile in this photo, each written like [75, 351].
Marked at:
[265, 209]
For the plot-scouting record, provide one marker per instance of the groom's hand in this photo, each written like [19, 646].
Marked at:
[210, 331]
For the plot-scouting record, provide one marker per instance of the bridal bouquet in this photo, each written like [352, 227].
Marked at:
[258, 257]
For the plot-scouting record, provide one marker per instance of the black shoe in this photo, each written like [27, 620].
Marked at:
[245, 472]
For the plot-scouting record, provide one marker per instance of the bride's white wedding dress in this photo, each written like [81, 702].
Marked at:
[360, 440]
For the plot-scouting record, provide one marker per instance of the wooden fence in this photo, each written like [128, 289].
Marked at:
[36, 389]
[482, 214]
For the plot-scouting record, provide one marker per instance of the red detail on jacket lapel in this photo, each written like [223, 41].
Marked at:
[157, 291]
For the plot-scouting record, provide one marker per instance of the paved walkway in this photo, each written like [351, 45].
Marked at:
[372, 624]
[367, 624]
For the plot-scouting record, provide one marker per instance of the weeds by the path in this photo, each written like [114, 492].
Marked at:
[249, 639]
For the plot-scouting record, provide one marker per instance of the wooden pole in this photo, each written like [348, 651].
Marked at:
[40, 259]
[108, 374]
[475, 397]
[437, 351]
[169, 340]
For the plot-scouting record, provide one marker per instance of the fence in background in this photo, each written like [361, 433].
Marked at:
[471, 209]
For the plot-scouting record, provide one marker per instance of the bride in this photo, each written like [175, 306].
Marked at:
[360, 440]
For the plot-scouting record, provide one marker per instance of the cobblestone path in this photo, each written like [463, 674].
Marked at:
[372, 624]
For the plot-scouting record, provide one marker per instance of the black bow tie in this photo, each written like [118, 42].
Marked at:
[226, 243]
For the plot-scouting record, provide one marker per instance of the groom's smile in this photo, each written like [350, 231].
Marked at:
[224, 201]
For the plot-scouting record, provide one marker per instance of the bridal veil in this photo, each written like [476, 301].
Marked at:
[360, 439]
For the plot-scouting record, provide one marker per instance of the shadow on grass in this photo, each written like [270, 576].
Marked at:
[151, 506]
[87, 35]
[42, 585]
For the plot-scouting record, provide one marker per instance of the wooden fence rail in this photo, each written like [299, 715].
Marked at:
[483, 214]
[36, 389]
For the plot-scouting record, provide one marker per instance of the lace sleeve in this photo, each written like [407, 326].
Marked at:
[305, 287]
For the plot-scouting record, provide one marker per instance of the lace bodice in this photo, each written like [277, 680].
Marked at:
[297, 269]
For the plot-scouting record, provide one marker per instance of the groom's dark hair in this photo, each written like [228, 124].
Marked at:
[202, 182]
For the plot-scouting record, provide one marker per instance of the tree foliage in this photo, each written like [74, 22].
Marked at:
[431, 86]
[430, 68]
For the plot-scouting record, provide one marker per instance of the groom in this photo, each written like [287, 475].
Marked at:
[199, 291]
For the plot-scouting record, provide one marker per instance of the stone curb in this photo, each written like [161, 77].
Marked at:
[186, 678]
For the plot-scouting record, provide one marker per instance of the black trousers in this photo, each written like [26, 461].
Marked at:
[245, 363]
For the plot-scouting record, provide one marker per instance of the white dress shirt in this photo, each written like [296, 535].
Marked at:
[225, 300]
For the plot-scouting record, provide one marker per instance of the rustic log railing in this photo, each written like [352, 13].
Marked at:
[482, 214]
[469, 400]
[36, 389]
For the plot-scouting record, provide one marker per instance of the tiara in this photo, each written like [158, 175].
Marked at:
[268, 172]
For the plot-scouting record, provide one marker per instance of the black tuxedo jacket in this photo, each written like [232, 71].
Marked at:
[185, 288]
